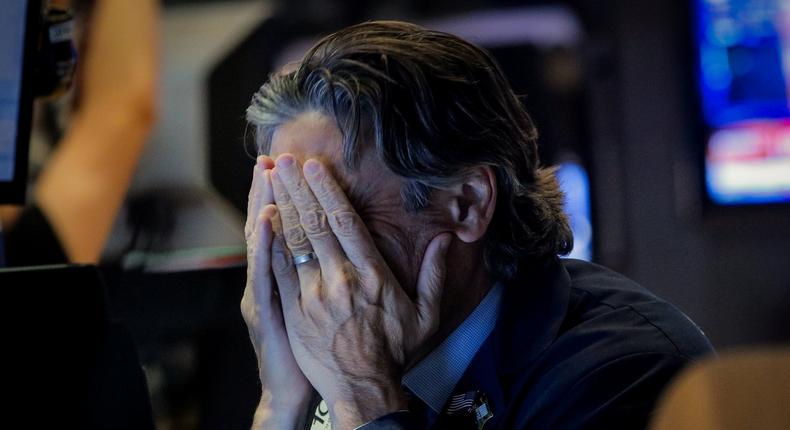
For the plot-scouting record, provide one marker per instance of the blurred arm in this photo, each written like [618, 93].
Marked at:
[83, 185]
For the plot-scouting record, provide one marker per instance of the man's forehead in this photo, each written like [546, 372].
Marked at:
[310, 134]
[314, 135]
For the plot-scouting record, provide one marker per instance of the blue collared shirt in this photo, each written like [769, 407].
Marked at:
[435, 376]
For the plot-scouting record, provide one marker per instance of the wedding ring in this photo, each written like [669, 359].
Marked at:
[301, 259]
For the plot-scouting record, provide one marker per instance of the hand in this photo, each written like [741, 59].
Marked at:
[351, 326]
[286, 391]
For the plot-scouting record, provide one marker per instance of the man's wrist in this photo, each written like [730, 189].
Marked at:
[364, 404]
[272, 415]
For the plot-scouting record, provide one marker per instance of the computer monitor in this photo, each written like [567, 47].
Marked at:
[743, 70]
[18, 39]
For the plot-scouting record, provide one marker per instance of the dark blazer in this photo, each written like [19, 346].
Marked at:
[576, 346]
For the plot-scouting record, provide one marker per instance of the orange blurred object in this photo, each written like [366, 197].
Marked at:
[739, 390]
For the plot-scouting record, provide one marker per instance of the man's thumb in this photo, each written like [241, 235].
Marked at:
[430, 282]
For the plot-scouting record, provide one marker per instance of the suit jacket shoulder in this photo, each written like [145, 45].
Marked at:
[580, 346]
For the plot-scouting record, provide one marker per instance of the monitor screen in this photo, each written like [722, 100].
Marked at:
[16, 48]
[743, 58]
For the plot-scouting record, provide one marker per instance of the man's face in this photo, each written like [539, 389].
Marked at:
[373, 190]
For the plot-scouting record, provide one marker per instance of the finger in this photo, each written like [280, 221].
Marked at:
[292, 231]
[350, 231]
[267, 194]
[265, 165]
[311, 217]
[294, 235]
[261, 297]
[282, 265]
[252, 203]
[430, 283]
[266, 162]
[261, 256]
[257, 196]
[257, 299]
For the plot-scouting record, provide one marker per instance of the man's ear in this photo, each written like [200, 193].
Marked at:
[471, 202]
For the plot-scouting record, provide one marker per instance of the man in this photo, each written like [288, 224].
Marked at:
[403, 246]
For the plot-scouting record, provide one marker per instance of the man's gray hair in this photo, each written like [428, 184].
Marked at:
[433, 106]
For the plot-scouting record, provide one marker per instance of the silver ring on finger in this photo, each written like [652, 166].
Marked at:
[304, 258]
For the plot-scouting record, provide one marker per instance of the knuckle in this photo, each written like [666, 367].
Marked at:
[338, 292]
[300, 189]
[344, 223]
[314, 222]
[324, 189]
[295, 237]
[282, 196]
[290, 216]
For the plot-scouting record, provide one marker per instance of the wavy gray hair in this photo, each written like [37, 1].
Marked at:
[433, 106]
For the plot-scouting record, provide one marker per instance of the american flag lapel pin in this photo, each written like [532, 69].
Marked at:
[473, 404]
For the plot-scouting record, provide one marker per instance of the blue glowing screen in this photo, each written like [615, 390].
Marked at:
[12, 36]
[575, 183]
[744, 65]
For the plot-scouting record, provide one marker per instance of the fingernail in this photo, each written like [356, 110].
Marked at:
[311, 167]
[285, 160]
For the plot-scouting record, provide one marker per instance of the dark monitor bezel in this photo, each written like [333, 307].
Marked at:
[14, 191]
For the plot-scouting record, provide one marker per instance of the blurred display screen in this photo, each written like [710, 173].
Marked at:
[12, 38]
[575, 184]
[744, 67]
